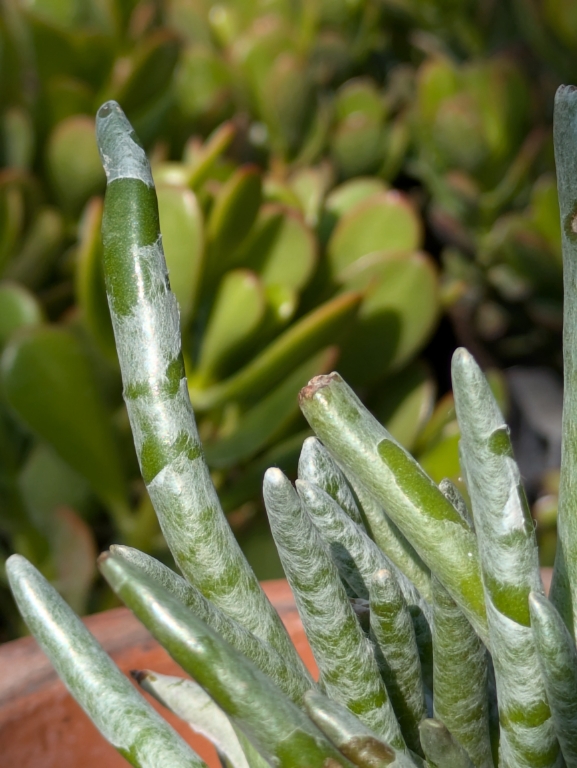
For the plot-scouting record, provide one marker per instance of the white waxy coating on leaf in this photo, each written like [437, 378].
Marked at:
[146, 324]
[122, 156]
[122, 716]
[392, 542]
[356, 555]
[558, 658]
[392, 628]
[343, 654]
[510, 569]
[410, 497]
[460, 678]
[318, 467]
[290, 680]
[148, 338]
[192, 704]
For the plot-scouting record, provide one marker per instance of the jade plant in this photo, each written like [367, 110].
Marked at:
[424, 608]
[256, 323]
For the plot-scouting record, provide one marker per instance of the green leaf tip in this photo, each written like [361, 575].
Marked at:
[119, 712]
[120, 150]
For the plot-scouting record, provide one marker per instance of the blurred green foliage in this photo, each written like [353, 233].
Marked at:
[307, 155]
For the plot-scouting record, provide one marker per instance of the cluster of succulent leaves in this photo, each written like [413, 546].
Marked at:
[425, 612]
[335, 103]
[278, 269]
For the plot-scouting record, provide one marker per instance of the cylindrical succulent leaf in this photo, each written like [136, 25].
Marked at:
[318, 467]
[146, 325]
[291, 680]
[281, 732]
[460, 678]
[355, 740]
[356, 556]
[391, 541]
[441, 749]
[398, 654]
[192, 704]
[122, 716]
[558, 658]
[411, 498]
[564, 586]
[348, 670]
[510, 568]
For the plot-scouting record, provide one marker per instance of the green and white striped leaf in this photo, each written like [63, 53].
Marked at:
[398, 654]
[361, 745]
[412, 500]
[558, 659]
[122, 716]
[280, 731]
[441, 749]
[460, 682]
[292, 680]
[510, 568]
[348, 670]
[318, 467]
[146, 326]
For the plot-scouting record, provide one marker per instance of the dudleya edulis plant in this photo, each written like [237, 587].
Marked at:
[435, 642]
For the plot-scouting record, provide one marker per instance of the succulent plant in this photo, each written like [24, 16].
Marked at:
[427, 617]
[256, 324]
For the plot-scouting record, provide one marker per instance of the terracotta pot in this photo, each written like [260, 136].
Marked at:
[41, 726]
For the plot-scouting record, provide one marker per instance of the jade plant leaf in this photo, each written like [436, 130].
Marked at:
[74, 552]
[321, 326]
[89, 282]
[18, 308]
[42, 244]
[258, 426]
[73, 164]
[405, 402]
[233, 213]
[237, 312]
[385, 222]
[281, 248]
[390, 328]
[183, 240]
[49, 383]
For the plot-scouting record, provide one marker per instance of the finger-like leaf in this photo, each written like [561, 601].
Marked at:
[191, 703]
[411, 499]
[356, 556]
[441, 749]
[558, 659]
[391, 541]
[564, 585]
[278, 728]
[355, 740]
[398, 657]
[293, 681]
[347, 667]
[460, 678]
[510, 567]
[317, 466]
[147, 330]
[118, 711]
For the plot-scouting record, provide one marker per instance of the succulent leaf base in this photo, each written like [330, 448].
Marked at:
[425, 611]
